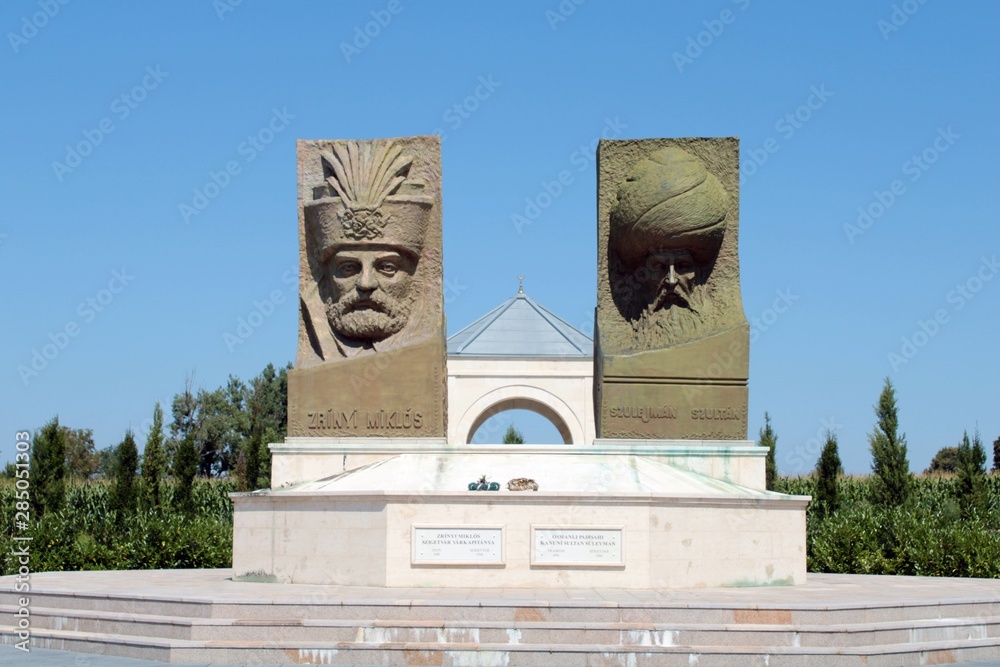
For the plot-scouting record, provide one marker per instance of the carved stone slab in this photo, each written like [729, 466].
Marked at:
[371, 351]
[672, 342]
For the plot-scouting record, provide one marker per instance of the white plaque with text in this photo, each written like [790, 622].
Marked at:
[586, 546]
[457, 545]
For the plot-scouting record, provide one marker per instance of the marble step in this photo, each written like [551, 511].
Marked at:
[584, 654]
[513, 611]
[526, 633]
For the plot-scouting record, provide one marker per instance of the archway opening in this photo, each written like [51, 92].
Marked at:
[538, 423]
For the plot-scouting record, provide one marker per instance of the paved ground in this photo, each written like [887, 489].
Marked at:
[821, 591]
[47, 658]
[830, 591]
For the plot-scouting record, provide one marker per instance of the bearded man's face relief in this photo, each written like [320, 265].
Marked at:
[370, 293]
[673, 275]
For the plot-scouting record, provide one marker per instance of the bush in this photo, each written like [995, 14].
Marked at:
[83, 535]
[929, 536]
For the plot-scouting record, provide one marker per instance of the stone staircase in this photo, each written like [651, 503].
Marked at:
[510, 629]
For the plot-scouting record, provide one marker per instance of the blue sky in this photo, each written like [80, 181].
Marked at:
[119, 115]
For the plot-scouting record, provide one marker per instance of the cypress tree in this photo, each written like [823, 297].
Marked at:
[185, 468]
[892, 483]
[124, 493]
[826, 500]
[512, 436]
[253, 459]
[971, 475]
[769, 439]
[996, 454]
[153, 461]
[47, 469]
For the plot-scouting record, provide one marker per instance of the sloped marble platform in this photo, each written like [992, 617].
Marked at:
[189, 616]
[617, 521]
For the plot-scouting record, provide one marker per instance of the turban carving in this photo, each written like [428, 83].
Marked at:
[669, 201]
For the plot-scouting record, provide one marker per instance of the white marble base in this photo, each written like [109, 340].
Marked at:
[300, 460]
[651, 525]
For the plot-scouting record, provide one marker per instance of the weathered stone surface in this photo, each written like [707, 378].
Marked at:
[396, 393]
[672, 342]
[371, 325]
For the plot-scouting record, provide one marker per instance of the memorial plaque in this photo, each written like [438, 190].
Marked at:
[592, 546]
[457, 545]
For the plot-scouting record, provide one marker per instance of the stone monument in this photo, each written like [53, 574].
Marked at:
[672, 343]
[371, 354]
[366, 491]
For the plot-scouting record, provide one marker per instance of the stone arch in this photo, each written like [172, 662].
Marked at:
[522, 397]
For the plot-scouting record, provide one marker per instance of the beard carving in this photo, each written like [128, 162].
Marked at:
[372, 318]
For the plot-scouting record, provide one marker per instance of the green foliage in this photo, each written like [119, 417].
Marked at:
[83, 535]
[826, 500]
[996, 454]
[185, 468]
[512, 436]
[946, 460]
[769, 439]
[107, 461]
[223, 422]
[929, 536]
[891, 468]
[124, 493]
[971, 475]
[48, 469]
[81, 457]
[153, 462]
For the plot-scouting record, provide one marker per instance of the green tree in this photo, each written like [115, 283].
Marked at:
[123, 492]
[107, 460]
[971, 475]
[185, 468]
[946, 460]
[184, 419]
[512, 436]
[769, 439]
[996, 454]
[892, 482]
[48, 469]
[153, 461]
[81, 456]
[826, 499]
